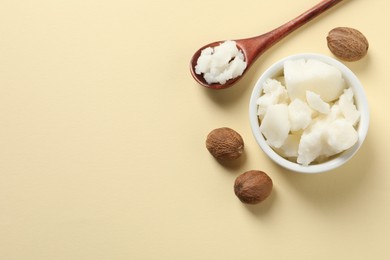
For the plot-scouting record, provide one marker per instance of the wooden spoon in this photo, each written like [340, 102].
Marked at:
[253, 47]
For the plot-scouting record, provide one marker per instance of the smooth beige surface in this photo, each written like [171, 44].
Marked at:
[102, 133]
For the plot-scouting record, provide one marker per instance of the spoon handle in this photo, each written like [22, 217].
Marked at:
[258, 45]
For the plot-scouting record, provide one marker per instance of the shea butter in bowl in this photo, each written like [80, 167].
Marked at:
[309, 113]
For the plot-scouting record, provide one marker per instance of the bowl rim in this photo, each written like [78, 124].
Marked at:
[360, 101]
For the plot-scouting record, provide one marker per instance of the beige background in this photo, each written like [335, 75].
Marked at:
[102, 133]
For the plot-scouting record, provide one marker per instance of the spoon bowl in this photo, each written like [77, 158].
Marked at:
[253, 47]
[199, 77]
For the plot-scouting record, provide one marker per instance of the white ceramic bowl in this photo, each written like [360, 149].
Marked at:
[360, 101]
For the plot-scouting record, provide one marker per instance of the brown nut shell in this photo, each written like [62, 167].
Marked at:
[253, 187]
[225, 144]
[347, 44]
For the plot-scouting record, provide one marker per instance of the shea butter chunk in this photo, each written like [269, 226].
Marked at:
[348, 108]
[315, 102]
[276, 125]
[299, 114]
[274, 93]
[302, 75]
